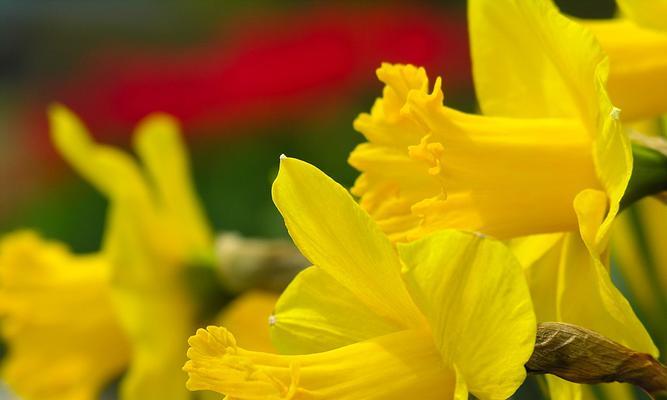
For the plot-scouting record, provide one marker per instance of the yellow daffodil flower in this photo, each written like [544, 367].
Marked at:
[155, 230]
[548, 156]
[74, 322]
[636, 45]
[58, 320]
[368, 321]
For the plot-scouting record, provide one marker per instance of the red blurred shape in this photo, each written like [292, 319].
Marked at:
[274, 67]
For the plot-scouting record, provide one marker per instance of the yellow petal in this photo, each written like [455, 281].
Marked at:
[316, 313]
[648, 13]
[335, 234]
[403, 365]
[58, 321]
[161, 148]
[638, 63]
[530, 61]
[248, 315]
[468, 286]
[111, 171]
[540, 256]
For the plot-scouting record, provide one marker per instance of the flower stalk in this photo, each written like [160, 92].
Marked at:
[580, 355]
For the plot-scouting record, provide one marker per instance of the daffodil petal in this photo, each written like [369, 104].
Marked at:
[585, 280]
[402, 365]
[638, 62]
[316, 313]
[111, 171]
[540, 256]
[468, 286]
[161, 148]
[335, 234]
[530, 61]
[648, 13]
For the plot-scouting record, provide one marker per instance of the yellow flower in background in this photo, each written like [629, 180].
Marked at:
[58, 320]
[249, 313]
[370, 322]
[636, 44]
[155, 230]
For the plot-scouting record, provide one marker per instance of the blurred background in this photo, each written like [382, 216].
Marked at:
[248, 80]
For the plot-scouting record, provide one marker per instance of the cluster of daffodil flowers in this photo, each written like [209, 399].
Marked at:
[469, 230]
[74, 323]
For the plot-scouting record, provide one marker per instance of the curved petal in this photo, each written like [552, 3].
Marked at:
[403, 365]
[469, 286]
[647, 13]
[335, 234]
[160, 146]
[530, 61]
[316, 313]
[111, 171]
[585, 280]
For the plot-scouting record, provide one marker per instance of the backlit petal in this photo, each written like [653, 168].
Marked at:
[470, 287]
[316, 313]
[335, 234]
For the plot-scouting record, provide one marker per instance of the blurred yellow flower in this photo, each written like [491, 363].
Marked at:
[636, 44]
[58, 321]
[370, 322]
[156, 229]
[249, 314]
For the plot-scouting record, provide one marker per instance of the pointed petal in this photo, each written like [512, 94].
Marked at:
[583, 279]
[111, 171]
[335, 234]
[530, 61]
[468, 286]
[540, 256]
[316, 313]
[161, 148]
